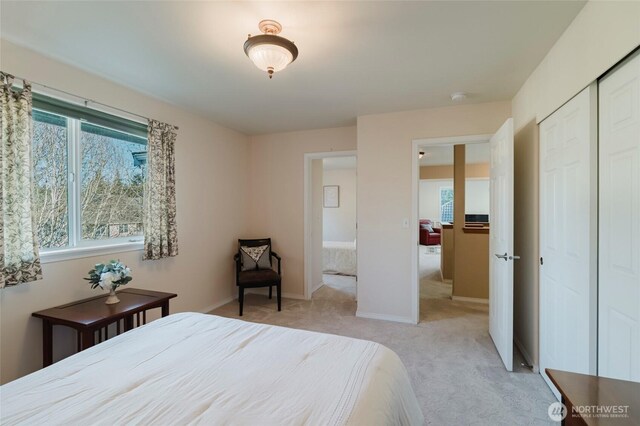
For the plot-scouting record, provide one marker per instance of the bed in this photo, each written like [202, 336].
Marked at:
[339, 257]
[194, 368]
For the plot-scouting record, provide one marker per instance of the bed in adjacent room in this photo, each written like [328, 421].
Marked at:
[203, 369]
[339, 257]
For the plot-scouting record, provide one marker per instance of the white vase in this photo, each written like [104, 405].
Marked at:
[113, 298]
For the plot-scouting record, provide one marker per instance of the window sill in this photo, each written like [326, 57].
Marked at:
[52, 256]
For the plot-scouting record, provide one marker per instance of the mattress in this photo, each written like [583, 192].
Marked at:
[194, 368]
[339, 257]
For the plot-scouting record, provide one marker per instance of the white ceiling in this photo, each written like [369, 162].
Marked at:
[442, 155]
[355, 58]
[332, 163]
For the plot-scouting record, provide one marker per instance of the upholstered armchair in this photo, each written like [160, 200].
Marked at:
[254, 268]
[429, 236]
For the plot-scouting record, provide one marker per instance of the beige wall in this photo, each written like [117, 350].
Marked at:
[211, 164]
[601, 35]
[471, 268]
[384, 187]
[277, 192]
[459, 161]
[339, 224]
[479, 170]
[471, 250]
[447, 261]
[436, 172]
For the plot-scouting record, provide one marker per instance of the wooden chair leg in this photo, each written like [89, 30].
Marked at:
[270, 291]
[279, 296]
[241, 297]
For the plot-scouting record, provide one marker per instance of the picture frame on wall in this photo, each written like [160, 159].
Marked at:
[331, 197]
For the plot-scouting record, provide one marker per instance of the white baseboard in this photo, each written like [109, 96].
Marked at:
[316, 287]
[265, 292]
[293, 296]
[470, 299]
[385, 317]
[217, 305]
[261, 291]
[525, 354]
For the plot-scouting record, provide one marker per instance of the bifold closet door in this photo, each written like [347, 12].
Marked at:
[619, 235]
[568, 237]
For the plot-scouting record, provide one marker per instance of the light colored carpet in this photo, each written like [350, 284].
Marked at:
[431, 284]
[343, 283]
[456, 372]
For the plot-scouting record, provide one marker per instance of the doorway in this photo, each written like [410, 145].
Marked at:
[482, 253]
[439, 187]
[330, 225]
[449, 193]
[435, 212]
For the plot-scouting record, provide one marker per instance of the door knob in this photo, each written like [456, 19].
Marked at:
[502, 256]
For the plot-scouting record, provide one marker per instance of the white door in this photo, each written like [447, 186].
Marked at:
[619, 248]
[568, 237]
[501, 243]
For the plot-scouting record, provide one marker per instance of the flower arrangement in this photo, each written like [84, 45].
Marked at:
[109, 276]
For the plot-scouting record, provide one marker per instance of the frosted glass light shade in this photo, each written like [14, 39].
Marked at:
[266, 56]
[270, 53]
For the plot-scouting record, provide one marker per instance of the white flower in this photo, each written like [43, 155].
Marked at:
[107, 279]
[126, 273]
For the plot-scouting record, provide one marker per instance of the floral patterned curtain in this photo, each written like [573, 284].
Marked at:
[19, 258]
[160, 230]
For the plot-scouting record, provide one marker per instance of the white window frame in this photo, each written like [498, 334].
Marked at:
[442, 188]
[78, 247]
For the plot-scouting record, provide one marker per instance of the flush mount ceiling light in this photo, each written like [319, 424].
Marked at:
[458, 96]
[269, 51]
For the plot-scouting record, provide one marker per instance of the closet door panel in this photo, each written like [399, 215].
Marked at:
[568, 211]
[619, 238]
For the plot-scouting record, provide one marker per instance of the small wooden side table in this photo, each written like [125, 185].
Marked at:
[595, 401]
[90, 315]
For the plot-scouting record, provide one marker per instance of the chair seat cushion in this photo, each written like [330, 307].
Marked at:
[258, 276]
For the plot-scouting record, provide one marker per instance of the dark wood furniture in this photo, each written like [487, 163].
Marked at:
[580, 392]
[258, 277]
[92, 315]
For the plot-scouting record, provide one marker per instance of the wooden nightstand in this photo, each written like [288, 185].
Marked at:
[90, 315]
[583, 395]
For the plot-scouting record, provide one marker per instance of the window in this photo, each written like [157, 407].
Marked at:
[89, 170]
[50, 159]
[446, 204]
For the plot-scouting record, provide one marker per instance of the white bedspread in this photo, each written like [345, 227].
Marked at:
[339, 257]
[202, 369]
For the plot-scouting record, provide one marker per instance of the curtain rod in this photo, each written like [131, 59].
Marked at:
[86, 100]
